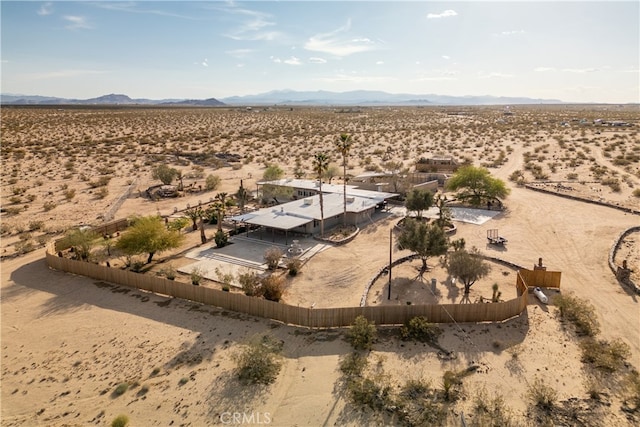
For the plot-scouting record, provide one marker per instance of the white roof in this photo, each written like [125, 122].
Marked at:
[299, 212]
[352, 190]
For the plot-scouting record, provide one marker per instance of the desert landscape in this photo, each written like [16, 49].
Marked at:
[77, 351]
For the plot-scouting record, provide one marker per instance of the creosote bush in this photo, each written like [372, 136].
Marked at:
[608, 356]
[272, 257]
[120, 421]
[259, 361]
[272, 288]
[419, 329]
[362, 333]
[121, 388]
[579, 312]
[541, 395]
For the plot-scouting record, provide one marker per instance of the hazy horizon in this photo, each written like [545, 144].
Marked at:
[577, 52]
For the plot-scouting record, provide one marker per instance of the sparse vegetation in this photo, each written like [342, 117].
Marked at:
[258, 362]
[579, 312]
[362, 334]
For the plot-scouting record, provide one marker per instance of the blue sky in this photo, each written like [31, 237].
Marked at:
[574, 51]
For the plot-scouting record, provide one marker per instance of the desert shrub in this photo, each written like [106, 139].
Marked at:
[272, 257]
[169, 272]
[579, 312]
[120, 421]
[362, 333]
[419, 329]
[418, 405]
[70, 193]
[259, 361]
[221, 238]
[35, 225]
[196, 275]
[374, 392]
[49, 205]
[250, 283]
[137, 266]
[120, 389]
[101, 193]
[212, 182]
[490, 411]
[631, 392]
[24, 246]
[636, 192]
[451, 386]
[608, 356]
[294, 265]
[541, 395]
[272, 288]
[353, 365]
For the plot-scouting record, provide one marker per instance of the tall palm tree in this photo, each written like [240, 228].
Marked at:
[320, 166]
[343, 144]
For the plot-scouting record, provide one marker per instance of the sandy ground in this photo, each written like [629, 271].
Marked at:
[68, 341]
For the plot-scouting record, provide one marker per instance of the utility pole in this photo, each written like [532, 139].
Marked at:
[390, 249]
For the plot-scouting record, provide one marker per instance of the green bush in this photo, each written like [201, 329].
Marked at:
[541, 395]
[362, 333]
[294, 265]
[608, 356]
[579, 312]
[221, 239]
[120, 421]
[250, 283]
[259, 362]
[272, 288]
[419, 329]
[121, 388]
[353, 365]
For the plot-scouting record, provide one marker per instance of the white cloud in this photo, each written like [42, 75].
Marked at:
[239, 53]
[544, 69]
[292, 61]
[63, 74]
[435, 79]
[355, 78]
[446, 57]
[446, 14]
[45, 9]
[334, 43]
[580, 70]
[77, 23]
[205, 63]
[275, 59]
[317, 60]
[494, 75]
[254, 27]
[510, 33]
[379, 62]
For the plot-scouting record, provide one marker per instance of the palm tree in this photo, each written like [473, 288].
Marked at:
[344, 145]
[320, 166]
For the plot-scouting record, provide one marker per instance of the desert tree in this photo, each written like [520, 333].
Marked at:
[477, 184]
[148, 234]
[320, 166]
[331, 172]
[418, 200]
[212, 182]
[82, 240]
[271, 191]
[468, 266]
[164, 173]
[444, 213]
[424, 239]
[343, 144]
[194, 213]
[398, 174]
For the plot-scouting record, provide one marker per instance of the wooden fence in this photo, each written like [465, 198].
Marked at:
[542, 278]
[100, 230]
[302, 316]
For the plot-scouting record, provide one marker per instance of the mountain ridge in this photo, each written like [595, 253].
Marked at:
[287, 97]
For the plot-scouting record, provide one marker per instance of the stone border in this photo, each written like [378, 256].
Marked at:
[612, 254]
[339, 242]
[582, 199]
[385, 270]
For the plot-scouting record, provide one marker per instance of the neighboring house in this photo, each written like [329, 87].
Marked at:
[437, 164]
[306, 187]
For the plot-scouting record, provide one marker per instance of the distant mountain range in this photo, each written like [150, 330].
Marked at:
[111, 99]
[287, 97]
